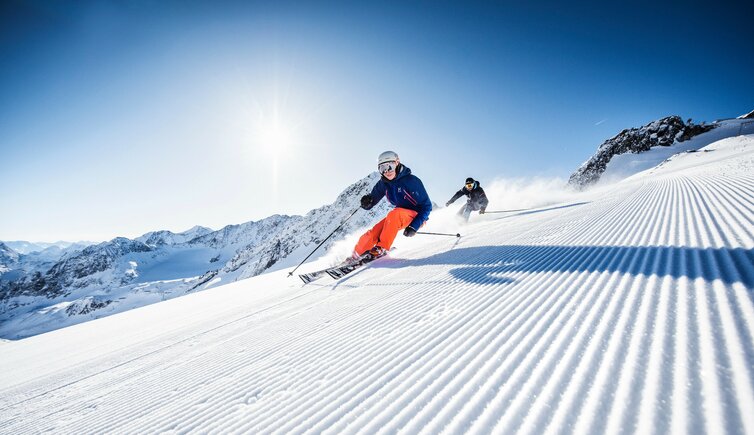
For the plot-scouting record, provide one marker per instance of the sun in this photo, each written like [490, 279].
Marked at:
[275, 137]
[274, 140]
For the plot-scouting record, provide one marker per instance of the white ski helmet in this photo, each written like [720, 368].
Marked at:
[387, 156]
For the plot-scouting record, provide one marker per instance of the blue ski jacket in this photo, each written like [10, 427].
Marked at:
[405, 191]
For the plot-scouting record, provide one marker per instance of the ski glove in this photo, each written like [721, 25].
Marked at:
[481, 211]
[367, 202]
[447, 204]
[409, 232]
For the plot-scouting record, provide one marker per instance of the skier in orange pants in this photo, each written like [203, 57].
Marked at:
[412, 206]
[385, 231]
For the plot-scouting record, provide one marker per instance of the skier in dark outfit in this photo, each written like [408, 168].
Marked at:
[477, 200]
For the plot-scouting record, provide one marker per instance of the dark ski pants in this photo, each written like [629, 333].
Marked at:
[466, 210]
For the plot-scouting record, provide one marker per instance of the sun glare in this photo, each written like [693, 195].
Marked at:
[275, 138]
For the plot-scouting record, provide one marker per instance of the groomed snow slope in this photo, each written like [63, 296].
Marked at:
[628, 309]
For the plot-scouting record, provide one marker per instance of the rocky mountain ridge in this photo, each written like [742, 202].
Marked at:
[663, 132]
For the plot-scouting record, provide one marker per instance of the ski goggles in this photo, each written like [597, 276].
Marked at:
[469, 185]
[387, 167]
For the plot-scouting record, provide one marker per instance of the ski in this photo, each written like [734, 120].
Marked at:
[339, 271]
[312, 276]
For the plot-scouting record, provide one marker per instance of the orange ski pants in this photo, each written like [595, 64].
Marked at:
[384, 232]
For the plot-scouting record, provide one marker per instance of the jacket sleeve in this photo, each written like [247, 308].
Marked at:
[458, 194]
[483, 201]
[378, 191]
[424, 204]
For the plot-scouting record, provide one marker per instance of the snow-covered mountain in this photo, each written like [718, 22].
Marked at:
[623, 309]
[161, 238]
[8, 258]
[300, 234]
[41, 294]
[665, 137]
[23, 247]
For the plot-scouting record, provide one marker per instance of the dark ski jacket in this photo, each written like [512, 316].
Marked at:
[476, 197]
[405, 191]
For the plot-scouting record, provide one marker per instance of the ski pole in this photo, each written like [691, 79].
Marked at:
[320, 243]
[438, 234]
[507, 211]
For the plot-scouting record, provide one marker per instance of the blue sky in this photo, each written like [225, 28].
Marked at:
[118, 118]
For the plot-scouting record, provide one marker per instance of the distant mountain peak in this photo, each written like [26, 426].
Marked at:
[196, 229]
[165, 237]
[8, 258]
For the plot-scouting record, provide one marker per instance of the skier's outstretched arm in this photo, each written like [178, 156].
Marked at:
[455, 197]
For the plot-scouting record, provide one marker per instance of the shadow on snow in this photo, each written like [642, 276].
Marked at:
[494, 264]
[525, 212]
